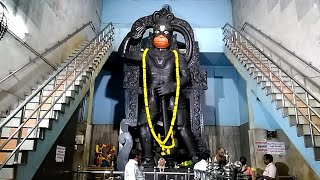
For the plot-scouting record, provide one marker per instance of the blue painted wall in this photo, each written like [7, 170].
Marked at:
[103, 108]
[200, 13]
[243, 100]
[221, 106]
[108, 100]
[262, 118]
[206, 17]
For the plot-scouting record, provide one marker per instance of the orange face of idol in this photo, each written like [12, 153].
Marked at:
[161, 36]
[161, 42]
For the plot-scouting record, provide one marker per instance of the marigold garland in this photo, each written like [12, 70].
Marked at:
[165, 148]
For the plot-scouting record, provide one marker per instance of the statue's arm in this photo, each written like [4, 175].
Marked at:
[124, 48]
[170, 87]
[184, 71]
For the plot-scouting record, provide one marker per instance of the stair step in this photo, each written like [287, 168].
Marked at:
[7, 131]
[291, 111]
[261, 78]
[28, 145]
[308, 141]
[297, 89]
[31, 106]
[316, 153]
[304, 129]
[5, 155]
[7, 173]
[293, 121]
[57, 93]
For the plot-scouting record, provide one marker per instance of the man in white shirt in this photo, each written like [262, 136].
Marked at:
[270, 171]
[201, 166]
[133, 170]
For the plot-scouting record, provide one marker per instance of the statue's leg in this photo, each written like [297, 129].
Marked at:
[146, 145]
[183, 126]
[146, 139]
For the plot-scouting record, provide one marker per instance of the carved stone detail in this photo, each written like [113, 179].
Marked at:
[131, 77]
[197, 116]
[132, 107]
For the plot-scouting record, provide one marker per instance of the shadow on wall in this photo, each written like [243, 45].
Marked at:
[33, 10]
[209, 115]
[218, 94]
[114, 89]
[282, 169]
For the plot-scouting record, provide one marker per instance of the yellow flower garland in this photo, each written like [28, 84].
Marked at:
[165, 148]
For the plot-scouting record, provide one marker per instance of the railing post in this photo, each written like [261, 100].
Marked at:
[188, 174]
[111, 173]
[155, 173]
[16, 155]
[78, 173]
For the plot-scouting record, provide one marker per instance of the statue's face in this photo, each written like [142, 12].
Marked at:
[162, 33]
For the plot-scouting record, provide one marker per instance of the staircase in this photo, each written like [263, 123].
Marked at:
[297, 104]
[30, 130]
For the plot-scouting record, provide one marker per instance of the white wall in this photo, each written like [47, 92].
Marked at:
[293, 23]
[41, 24]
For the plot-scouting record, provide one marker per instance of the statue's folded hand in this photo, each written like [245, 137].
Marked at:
[164, 88]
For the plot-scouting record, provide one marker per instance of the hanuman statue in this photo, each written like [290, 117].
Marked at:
[165, 74]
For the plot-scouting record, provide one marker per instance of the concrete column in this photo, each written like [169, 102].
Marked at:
[86, 149]
[256, 135]
[82, 154]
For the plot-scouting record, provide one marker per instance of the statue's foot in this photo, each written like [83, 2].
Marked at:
[148, 162]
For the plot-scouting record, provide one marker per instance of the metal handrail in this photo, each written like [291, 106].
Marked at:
[50, 49]
[283, 70]
[29, 98]
[30, 48]
[294, 70]
[279, 44]
[190, 172]
[201, 175]
[105, 39]
[309, 107]
[155, 173]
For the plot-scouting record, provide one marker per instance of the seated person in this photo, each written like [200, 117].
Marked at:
[220, 157]
[246, 170]
[270, 171]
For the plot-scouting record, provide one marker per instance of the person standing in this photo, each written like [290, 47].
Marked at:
[133, 170]
[270, 171]
[201, 166]
[246, 170]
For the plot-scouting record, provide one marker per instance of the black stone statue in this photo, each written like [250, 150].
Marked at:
[161, 84]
